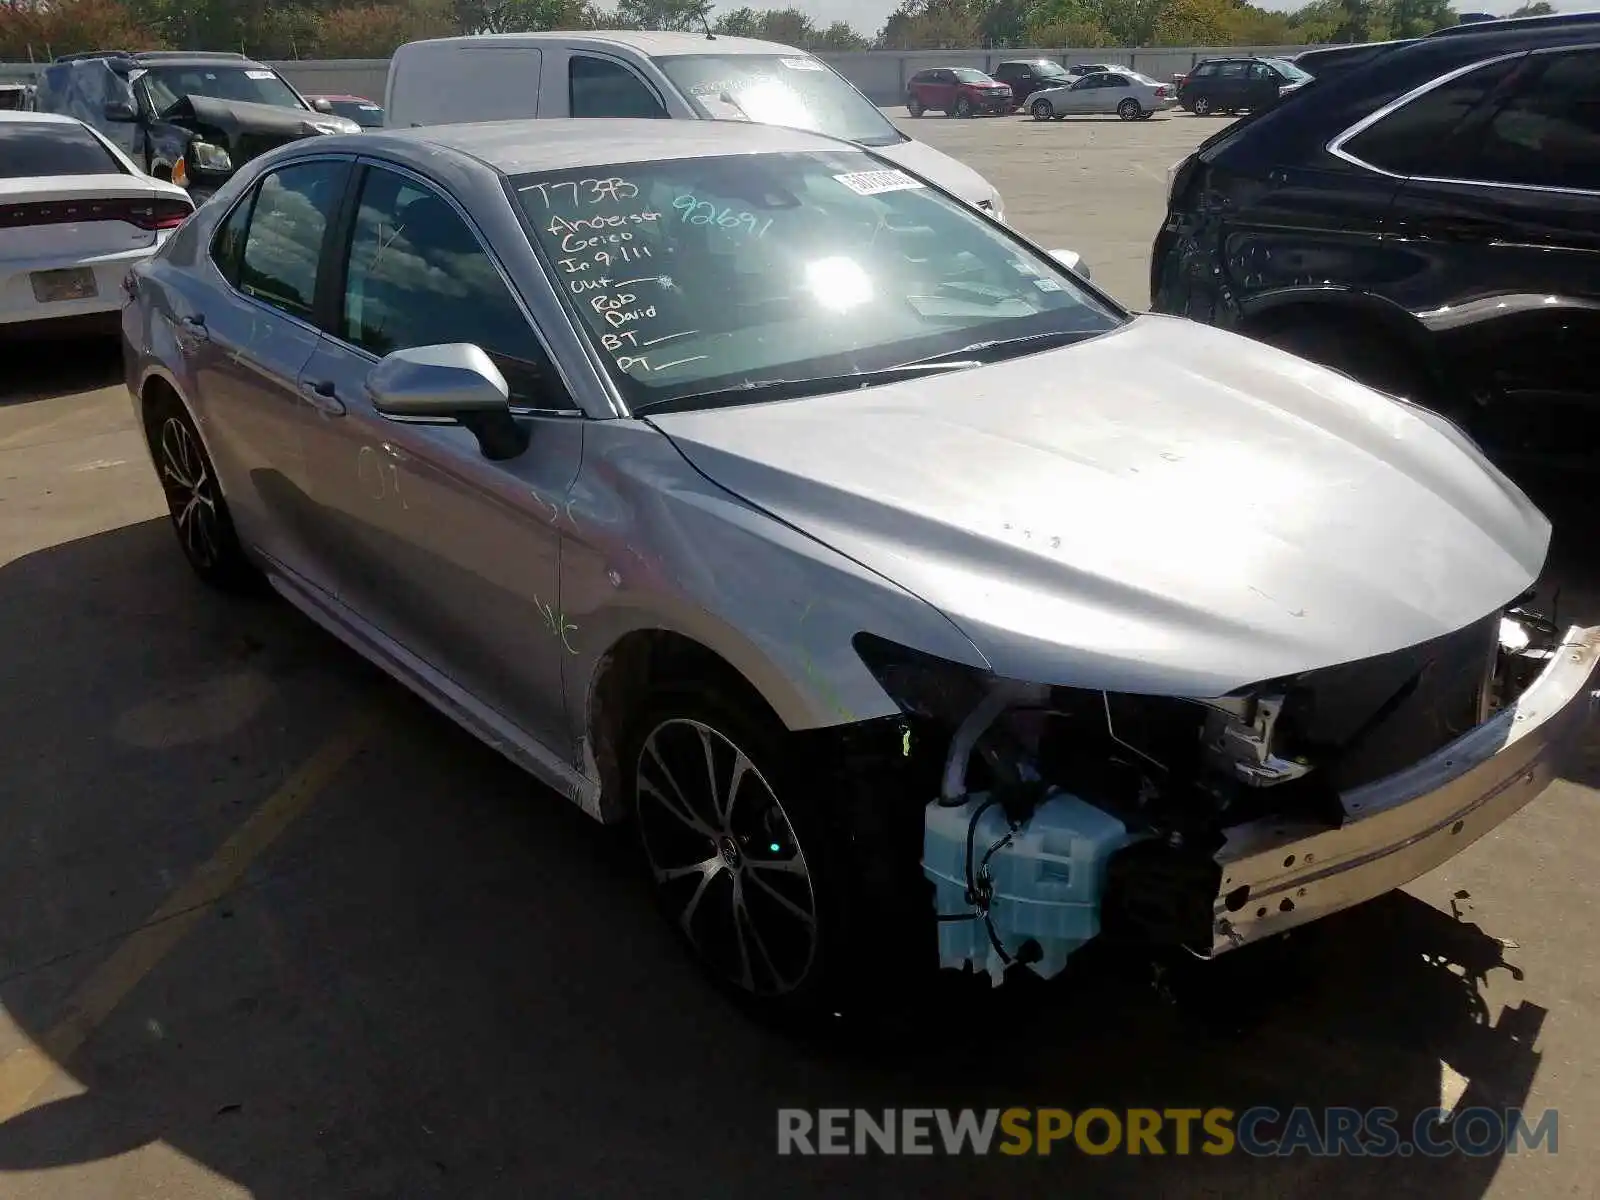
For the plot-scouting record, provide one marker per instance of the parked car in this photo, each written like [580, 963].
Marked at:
[1428, 223]
[75, 215]
[956, 92]
[613, 440]
[1024, 76]
[645, 73]
[1095, 68]
[13, 97]
[1231, 85]
[188, 117]
[1132, 96]
[356, 108]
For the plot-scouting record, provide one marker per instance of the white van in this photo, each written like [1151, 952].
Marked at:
[627, 73]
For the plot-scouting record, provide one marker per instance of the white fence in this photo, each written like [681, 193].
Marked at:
[881, 74]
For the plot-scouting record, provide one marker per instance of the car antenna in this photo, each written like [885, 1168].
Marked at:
[710, 37]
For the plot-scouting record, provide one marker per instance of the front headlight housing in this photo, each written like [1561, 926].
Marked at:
[204, 156]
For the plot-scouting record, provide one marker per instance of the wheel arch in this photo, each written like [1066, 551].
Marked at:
[1264, 313]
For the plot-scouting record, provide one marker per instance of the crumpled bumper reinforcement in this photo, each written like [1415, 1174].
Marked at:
[1278, 874]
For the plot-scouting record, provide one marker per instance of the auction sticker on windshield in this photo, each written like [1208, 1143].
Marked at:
[870, 183]
[801, 64]
[258, 74]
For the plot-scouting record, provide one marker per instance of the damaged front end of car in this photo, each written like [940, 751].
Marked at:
[1203, 824]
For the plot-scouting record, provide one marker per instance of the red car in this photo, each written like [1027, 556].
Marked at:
[956, 92]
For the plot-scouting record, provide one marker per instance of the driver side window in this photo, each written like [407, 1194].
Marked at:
[418, 276]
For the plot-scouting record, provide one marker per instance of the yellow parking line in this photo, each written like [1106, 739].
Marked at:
[25, 1071]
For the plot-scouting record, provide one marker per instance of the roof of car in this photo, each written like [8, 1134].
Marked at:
[198, 58]
[516, 147]
[656, 43]
[44, 118]
[341, 96]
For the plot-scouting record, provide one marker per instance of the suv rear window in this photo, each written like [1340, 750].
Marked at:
[47, 148]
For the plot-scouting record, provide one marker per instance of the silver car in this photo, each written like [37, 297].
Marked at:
[911, 601]
[1132, 96]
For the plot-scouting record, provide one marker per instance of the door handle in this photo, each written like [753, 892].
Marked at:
[195, 326]
[323, 395]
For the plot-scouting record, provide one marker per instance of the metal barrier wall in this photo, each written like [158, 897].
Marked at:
[881, 74]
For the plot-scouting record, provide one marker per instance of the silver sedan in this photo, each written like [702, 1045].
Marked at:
[910, 601]
[1128, 94]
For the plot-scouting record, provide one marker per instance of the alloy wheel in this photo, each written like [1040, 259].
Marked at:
[191, 493]
[1128, 110]
[1202, 106]
[725, 857]
[963, 107]
[1042, 111]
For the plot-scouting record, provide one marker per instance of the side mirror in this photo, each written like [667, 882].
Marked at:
[120, 111]
[322, 104]
[455, 384]
[1072, 261]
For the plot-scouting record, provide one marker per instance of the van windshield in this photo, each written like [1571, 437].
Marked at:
[779, 89]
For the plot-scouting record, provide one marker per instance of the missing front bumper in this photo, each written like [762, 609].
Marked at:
[1276, 875]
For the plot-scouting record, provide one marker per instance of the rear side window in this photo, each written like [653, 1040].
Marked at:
[30, 149]
[1547, 132]
[598, 87]
[1203, 70]
[1413, 140]
[283, 244]
[1233, 70]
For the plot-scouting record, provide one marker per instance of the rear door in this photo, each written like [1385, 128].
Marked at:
[1509, 212]
[247, 342]
[1232, 86]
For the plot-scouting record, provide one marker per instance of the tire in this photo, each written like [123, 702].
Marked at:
[963, 108]
[1201, 107]
[914, 107]
[1129, 109]
[1147, 114]
[1042, 110]
[195, 504]
[745, 878]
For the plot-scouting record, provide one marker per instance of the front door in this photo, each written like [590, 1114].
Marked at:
[455, 557]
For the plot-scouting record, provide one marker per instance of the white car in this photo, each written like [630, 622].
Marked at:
[645, 73]
[75, 214]
[1132, 96]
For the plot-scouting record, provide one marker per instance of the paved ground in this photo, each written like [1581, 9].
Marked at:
[271, 927]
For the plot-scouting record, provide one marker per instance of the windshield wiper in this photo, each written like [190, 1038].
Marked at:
[1038, 341]
[791, 389]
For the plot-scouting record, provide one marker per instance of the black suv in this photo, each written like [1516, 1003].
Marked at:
[192, 118]
[1027, 76]
[1428, 222]
[1229, 85]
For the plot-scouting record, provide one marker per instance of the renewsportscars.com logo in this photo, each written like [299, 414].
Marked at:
[1260, 1131]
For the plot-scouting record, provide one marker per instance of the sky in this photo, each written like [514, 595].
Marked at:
[868, 16]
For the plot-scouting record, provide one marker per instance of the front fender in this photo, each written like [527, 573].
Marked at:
[652, 544]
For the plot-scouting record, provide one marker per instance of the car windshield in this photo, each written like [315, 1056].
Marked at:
[30, 149]
[701, 274]
[363, 112]
[1288, 70]
[971, 75]
[775, 89]
[167, 86]
[1050, 70]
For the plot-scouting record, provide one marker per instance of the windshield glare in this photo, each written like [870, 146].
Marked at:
[694, 275]
[771, 89]
[971, 75]
[1288, 70]
[167, 86]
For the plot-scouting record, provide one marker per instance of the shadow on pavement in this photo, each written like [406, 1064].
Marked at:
[38, 370]
[445, 982]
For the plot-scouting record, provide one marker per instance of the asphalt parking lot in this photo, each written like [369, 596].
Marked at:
[271, 927]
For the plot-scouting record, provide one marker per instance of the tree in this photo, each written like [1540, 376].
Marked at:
[932, 25]
[663, 14]
[1193, 23]
[66, 26]
[841, 36]
[375, 30]
[1539, 8]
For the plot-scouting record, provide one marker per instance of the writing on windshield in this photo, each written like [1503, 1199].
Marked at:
[703, 273]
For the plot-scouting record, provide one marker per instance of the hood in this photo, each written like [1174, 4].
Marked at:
[1167, 509]
[235, 117]
[954, 177]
